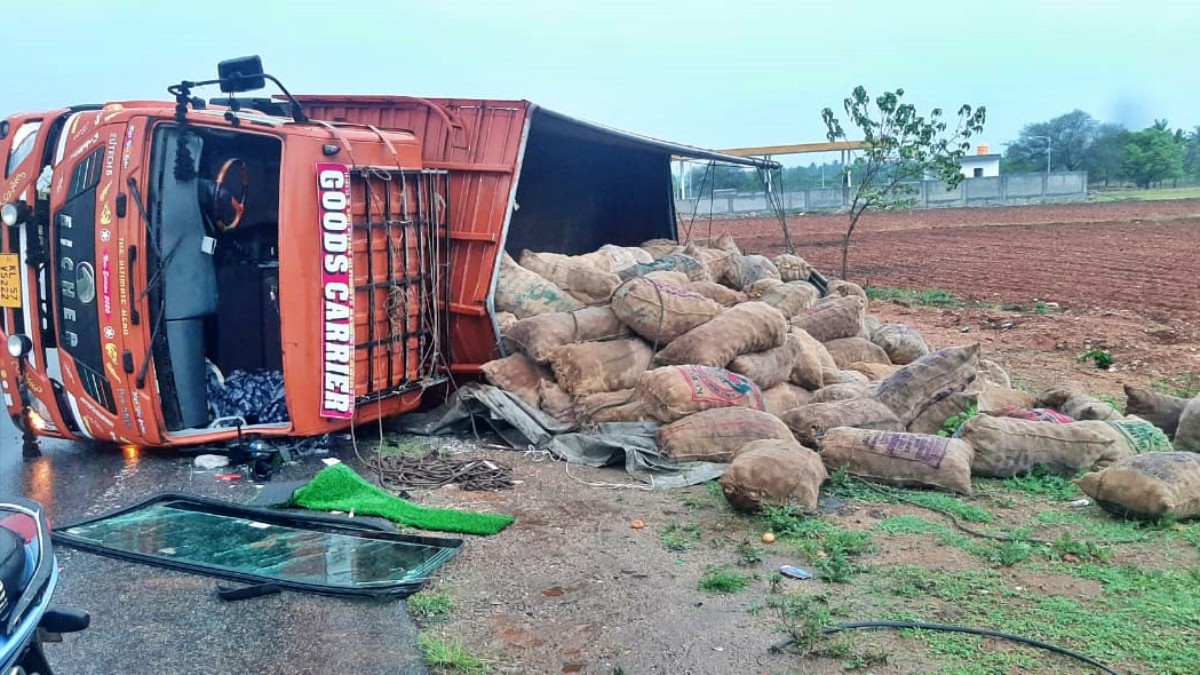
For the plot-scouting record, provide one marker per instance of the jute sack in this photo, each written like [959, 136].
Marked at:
[873, 371]
[669, 277]
[933, 418]
[871, 323]
[770, 367]
[675, 262]
[915, 387]
[672, 392]
[832, 319]
[816, 347]
[537, 336]
[621, 257]
[726, 243]
[584, 282]
[747, 269]
[759, 288]
[791, 298]
[842, 288]
[766, 473]
[658, 248]
[993, 374]
[807, 370]
[783, 397]
[610, 406]
[715, 260]
[901, 459]
[748, 327]
[505, 320]
[838, 376]
[1158, 409]
[519, 375]
[1138, 435]
[715, 435]
[855, 350]
[809, 422]
[556, 402]
[1148, 486]
[990, 399]
[722, 295]
[526, 294]
[1187, 434]
[661, 312]
[902, 343]
[792, 267]
[841, 392]
[1007, 447]
[1070, 400]
[591, 367]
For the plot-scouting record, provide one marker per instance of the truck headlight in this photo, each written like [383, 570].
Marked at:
[13, 213]
[19, 345]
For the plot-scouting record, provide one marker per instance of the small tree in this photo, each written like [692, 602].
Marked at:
[900, 146]
[1153, 155]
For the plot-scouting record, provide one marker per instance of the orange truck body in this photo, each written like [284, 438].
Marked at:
[364, 271]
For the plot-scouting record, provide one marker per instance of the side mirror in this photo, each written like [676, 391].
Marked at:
[244, 73]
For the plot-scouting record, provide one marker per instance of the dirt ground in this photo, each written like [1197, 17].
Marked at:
[573, 587]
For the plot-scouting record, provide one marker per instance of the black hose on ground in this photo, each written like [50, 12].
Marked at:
[902, 625]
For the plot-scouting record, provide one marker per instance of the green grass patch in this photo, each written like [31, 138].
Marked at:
[718, 580]
[451, 656]
[1153, 195]
[1183, 386]
[844, 486]
[932, 297]
[1042, 484]
[430, 607]
[828, 548]
[675, 537]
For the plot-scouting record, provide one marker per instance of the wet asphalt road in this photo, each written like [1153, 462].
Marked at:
[152, 621]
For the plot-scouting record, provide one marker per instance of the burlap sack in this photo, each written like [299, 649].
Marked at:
[715, 260]
[621, 257]
[990, 399]
[747, 269]
[871, 323]
[526, 294]
[715, 435]
[902, 343]
[770, 367]
[556, 402]
[1070, 400]
[873, 371]
[1158, 409]
[1033, 414]
[505, 320]
[672, 392]
[669, 277]
[610, 406]
[766, 473]
[842, 288]
[809, 422]
[661, 312]
[791, 298]
[759, 288]
[742, 329]
[913, 388]
[537, 336]
[675, 262]
[900, 459]
[832, 319]
[1007, 447]
[722, 295]
[932, 419]
[994, 374]
[792, 267]
[584, 282]
[726, 243]
[1138, 435]
[1187, 434]
[1148, 486]
[1054, 397]
[816, 347]
[841, 392]
[591, 367]
[855, 350]
[783, 397]
[658, 248]
[519, 375]
[838, 376]
[807, 370]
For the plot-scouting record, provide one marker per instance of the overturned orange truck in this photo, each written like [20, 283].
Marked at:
[182, 273]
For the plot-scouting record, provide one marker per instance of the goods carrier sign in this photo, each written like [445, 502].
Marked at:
[337, 291]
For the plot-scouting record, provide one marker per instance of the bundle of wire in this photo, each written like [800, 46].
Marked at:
[432, 471]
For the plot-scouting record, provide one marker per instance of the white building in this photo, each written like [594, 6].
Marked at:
[980, 165]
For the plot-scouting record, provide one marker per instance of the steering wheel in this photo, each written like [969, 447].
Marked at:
[237, 204]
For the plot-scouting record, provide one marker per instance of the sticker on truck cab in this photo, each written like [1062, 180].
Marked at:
[337, 291]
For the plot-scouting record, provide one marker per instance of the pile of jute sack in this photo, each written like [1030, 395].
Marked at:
[742, 360]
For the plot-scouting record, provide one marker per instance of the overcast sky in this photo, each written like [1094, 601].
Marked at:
[716, 74]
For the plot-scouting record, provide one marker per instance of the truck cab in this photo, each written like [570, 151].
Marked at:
[166, 266]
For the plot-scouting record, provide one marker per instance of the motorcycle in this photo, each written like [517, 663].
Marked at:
[28, 576]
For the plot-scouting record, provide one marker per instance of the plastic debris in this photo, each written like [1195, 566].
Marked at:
[793, 572]
[209, 462]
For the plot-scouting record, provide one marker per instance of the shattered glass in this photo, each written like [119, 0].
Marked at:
[188, 534]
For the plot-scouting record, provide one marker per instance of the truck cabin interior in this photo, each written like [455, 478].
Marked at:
[214, 275]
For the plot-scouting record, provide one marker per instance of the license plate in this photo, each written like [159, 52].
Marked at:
[10, 280]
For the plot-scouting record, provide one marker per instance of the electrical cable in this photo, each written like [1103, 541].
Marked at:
[912, 625]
